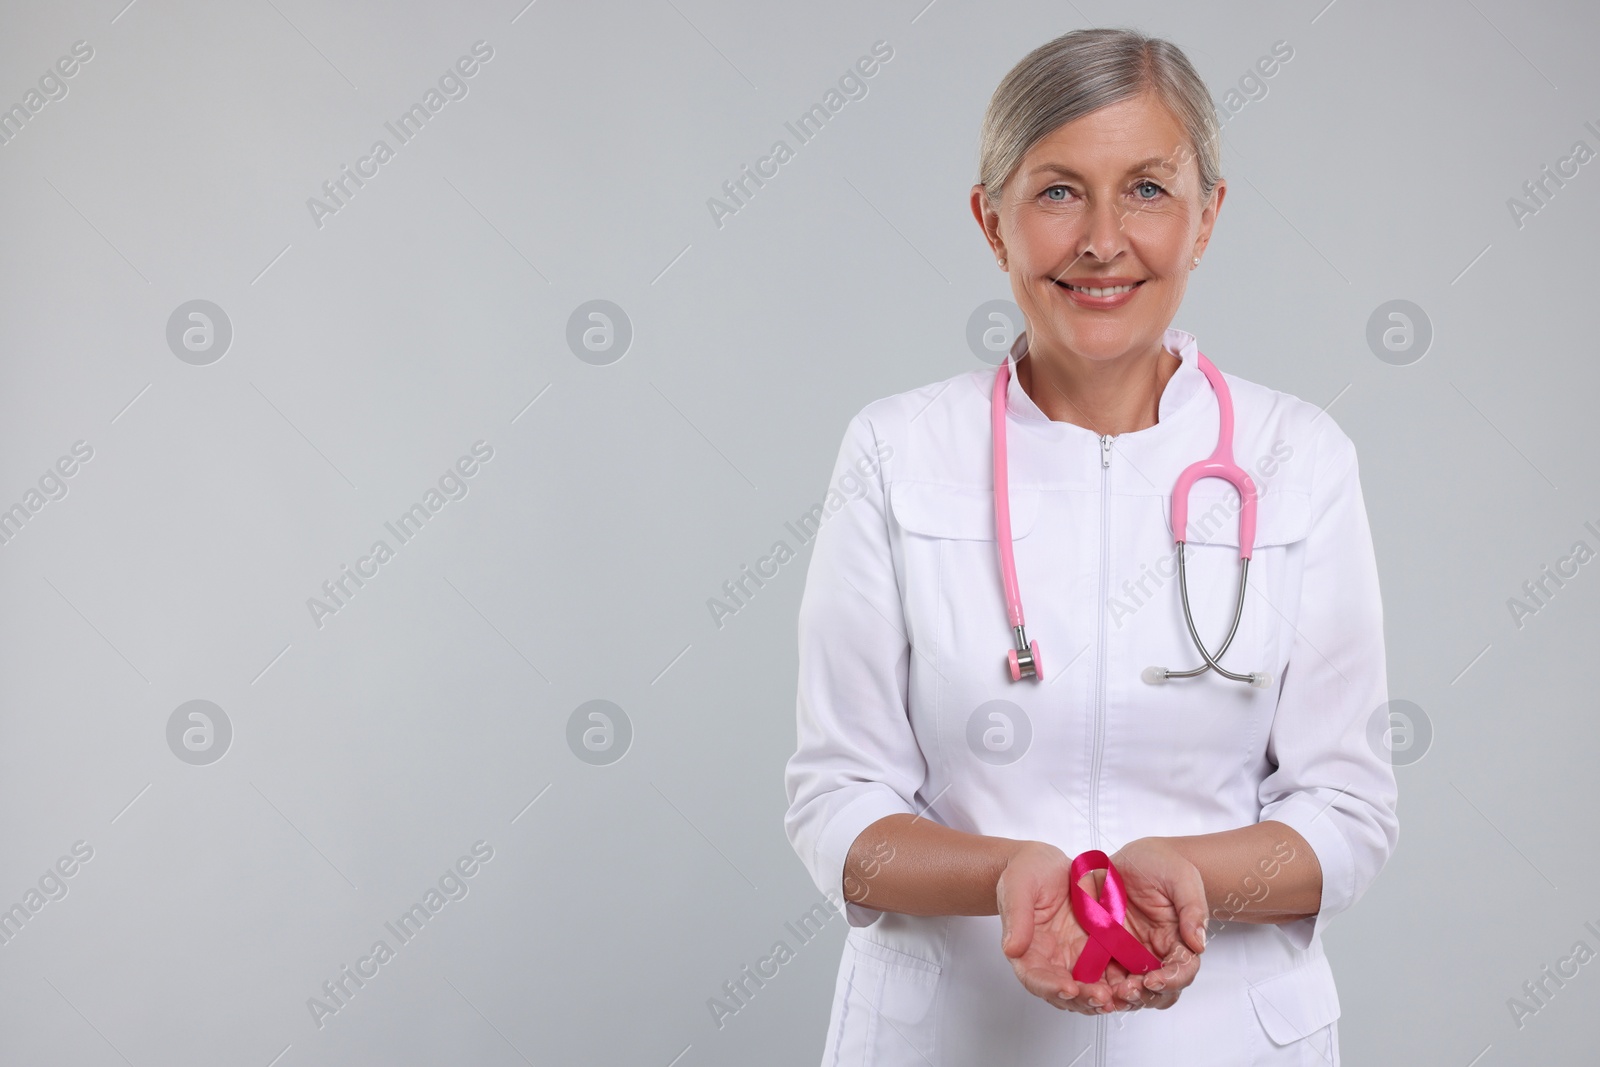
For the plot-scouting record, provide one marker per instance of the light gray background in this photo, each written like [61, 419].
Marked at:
[430, 312]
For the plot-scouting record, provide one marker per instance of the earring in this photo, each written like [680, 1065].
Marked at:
[1196, 261]
[1002, 263]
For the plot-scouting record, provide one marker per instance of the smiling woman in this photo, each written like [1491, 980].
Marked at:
[1101, 201]
[1098, 192]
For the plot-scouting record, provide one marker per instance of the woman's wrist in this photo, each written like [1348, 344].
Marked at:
[1019, 846]
[1018, 851]
[915, 866]
[1261, 873]
[1031, 857]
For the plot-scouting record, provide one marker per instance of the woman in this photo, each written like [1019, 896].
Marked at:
[941, 788]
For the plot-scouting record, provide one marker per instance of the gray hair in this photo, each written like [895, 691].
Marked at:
[1083, 71]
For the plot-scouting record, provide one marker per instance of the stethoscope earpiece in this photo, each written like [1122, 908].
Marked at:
[1024, 658]
[1159, 676]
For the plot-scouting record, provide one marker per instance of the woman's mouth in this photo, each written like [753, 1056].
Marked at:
[1100, 296]
[1100, 291]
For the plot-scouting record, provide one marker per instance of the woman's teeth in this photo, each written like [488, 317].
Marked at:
[1112, 291]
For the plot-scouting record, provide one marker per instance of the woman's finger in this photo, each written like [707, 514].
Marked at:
[1191, 903]
[1084, 1005]
[1016, 921]
[1176, 972]
[1163, 1000]
[1042, 982]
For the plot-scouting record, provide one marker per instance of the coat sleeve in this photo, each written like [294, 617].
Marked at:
[1331, 783]
[857, 759]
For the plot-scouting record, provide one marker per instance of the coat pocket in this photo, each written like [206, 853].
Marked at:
[889, 1015]
[1283, 520]
[948, 565]
[963, 513]
[1282, 517]
[1295, 1004]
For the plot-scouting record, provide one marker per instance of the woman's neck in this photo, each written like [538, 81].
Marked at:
[1109, 397]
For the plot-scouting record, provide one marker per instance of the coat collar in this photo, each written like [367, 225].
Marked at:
[1186, 384]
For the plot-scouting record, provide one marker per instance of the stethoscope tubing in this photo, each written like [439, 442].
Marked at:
[1023, 658]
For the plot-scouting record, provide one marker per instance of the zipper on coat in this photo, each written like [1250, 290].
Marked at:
[1100, 693]
[1100, 641]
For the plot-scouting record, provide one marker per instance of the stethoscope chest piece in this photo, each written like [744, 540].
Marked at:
[1024, 659]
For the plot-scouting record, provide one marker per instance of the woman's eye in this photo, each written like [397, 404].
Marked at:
[1152, 185]
[1062, 189]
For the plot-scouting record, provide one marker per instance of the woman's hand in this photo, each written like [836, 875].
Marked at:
[1042, 938]
[1167, 913]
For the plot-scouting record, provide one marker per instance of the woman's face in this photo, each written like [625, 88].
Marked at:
[1109, 199]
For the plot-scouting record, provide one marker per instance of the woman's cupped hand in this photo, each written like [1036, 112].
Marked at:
[1166, 912]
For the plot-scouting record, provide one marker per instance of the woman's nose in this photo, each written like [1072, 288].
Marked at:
[1103, 234]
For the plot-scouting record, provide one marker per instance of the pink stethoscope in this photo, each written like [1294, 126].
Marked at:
[1024, 659]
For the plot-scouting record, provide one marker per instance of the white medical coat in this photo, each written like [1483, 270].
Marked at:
[902, 640]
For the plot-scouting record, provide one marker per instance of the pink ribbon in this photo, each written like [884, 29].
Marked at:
[1107, 936]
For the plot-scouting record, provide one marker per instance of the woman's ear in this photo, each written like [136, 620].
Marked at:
[1208, 216]
[988, 221]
